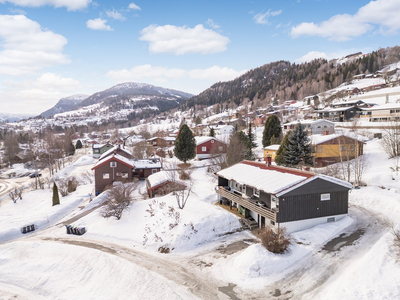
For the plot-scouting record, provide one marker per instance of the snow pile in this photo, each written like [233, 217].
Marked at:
[160, 223]
[256, 266]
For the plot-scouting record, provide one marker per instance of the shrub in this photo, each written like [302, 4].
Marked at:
[117, 200]
[276, 241]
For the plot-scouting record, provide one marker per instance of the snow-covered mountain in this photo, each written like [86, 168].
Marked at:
[12, 117]
[65, 104]
[130, 95]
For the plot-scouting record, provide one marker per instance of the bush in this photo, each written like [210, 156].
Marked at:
[117, 200]
[184, 175]
[160, 153]
[276, 241]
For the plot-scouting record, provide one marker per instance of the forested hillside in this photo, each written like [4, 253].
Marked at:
[284, 80]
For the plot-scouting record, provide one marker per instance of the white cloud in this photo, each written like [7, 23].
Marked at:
[344, 27]
[98, 24]
[212, 24]
[115, 15]
[26, 47]
[214, 73]
[69, 4]
[182, 40]
[37, 95]
[17, 11]
[312, 55]
[262, 18]
[134, 6]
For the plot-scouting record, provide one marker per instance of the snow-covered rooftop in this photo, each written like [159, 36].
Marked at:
[111, 150]
[146, 163]
[203, 139]
[272, 147]
[270, 181]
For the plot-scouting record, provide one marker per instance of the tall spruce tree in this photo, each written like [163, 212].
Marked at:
[56, 197]
[212, 132]
[280, 154]
[272, 130]
[244, 139]
[298, 150]
[78, 144]
[185, 144]
[252, 137]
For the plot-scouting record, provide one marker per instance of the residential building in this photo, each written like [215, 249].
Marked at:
[332, 148]
[99, 149]
[311, 126]
[207, 146]
[270, 151]
[381, 113]
[283, 197]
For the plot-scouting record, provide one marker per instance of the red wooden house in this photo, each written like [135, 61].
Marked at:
[207, 146]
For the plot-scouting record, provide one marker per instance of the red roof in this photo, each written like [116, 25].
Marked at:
[264, 166]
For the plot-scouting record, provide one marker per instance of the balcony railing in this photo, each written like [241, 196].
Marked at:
[263, 211]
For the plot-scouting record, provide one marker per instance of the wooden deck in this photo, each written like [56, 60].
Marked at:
[263, 211]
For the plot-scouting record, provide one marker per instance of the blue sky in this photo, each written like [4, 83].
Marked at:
[50, 49]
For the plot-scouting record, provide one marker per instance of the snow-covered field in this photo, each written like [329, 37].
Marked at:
[119, 259]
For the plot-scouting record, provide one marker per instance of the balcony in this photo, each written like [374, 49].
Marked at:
[262, 211]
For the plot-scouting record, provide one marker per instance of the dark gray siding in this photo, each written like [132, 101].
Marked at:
[317, 186]
[308, 206]
[222, 181]
[266, 198]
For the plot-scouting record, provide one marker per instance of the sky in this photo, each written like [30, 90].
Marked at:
[50, 49]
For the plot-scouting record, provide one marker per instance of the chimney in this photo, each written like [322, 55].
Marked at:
[268, 160]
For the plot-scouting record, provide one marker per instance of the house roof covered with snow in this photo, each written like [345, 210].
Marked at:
[384, 107]
[116, 157]
[111, 150]
[202, 139]
[272, 147]
[272, 179]
[321, 138]
[146, 163]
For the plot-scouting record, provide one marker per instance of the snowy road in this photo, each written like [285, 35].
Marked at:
[321, 268]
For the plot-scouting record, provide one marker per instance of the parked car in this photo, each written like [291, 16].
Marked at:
[33, 175]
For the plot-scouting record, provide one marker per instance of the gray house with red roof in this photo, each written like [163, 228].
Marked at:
[280, 196]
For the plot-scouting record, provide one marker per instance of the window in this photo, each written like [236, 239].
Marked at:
[256, 193]
[113, 164]
[352, 148]
[106, 175]
[325, 197]
[96, 150]
[204, 149]
[244, 189]
[212, 141]
[153, 171]
[119, 174]
[221, 148]
[330, 219]
[319, 149]
[343, 148]
[125, 175]
[154, 143]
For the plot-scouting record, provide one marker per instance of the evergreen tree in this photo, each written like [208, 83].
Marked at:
[244, 139]
[56, 198]
[298, 150]
[185, 144]
[252, 137]
[212, 132]
[272, 129]
[280, 154]
[78, 144]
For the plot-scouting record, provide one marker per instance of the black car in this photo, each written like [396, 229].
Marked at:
[33, 175]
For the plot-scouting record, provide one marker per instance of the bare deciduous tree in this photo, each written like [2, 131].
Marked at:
[117, 200]
[275, 241]
[16, 194]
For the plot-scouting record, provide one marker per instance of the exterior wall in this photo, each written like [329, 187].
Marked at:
[144, 173]
[101, 183]
[331, 151]
[301, 204]
[270, 153]
[209, 148]
[305, 224]
[322, 126]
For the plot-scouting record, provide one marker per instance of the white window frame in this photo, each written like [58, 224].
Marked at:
[106, 175]
[154, 171]
[212, 141]
[325, 197]
[125, 175]
[203, 149]
[331, 219]
[256, 192]
[113, 164]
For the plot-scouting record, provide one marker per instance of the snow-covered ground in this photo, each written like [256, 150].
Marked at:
[120, 259]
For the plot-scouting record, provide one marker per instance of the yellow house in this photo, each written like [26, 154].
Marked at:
[333, 148]
[270, 151]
